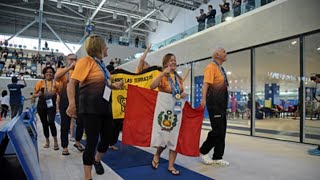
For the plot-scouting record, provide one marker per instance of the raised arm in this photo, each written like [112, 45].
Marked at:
[63, 71]
[143, 57]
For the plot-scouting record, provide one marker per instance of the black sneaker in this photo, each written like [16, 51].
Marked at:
[99, 168]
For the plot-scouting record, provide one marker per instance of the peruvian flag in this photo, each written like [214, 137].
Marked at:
[150, 120]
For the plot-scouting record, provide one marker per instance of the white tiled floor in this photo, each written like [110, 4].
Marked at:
[251, 158]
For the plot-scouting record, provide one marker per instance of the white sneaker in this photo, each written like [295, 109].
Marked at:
[206, 159]
[221, 162]
[72, 139]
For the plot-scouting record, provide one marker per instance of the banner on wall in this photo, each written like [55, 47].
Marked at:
[143, 79]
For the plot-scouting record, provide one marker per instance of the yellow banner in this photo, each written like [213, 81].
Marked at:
[143, 79]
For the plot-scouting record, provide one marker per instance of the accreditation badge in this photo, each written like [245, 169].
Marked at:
[177, 107]
[106, 93]
[49, 103]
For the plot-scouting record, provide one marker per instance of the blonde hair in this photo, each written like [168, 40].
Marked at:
[166, 58]
[93, 45]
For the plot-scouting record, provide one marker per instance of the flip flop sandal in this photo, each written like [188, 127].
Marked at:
[56, 147]
[174, 172]
[154, 164]
[46, 146]
[80, 147]
[115, 148]
[65, 152]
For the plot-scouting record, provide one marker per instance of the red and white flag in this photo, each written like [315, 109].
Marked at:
[150, 121]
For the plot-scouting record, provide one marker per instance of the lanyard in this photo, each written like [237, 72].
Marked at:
[175, 88]
[45, 82]
[103, 68]
[222, 72]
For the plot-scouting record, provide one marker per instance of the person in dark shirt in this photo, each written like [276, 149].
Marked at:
[236, 7]
[15, 95]
[225, 8]
[211, 16]
[136, 41]
[110, 67]
[110, 38]
[201, 20]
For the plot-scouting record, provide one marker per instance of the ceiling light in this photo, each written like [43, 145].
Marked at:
[229, 73]
[80, 10]
[179, 72]
[25, 0]
[59, 4]
[228, 18]
[294, 42]
[318, 48]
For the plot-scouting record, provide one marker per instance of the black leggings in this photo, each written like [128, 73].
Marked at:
[117, 127]
[65, 127]
[47, 117]
[4, 110]
[96, 125]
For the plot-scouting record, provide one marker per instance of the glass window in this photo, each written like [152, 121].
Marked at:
[277, 73]
[312, 89]
[197, 82]
[237, 67]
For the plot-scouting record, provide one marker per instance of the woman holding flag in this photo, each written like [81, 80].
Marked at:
[168, 81]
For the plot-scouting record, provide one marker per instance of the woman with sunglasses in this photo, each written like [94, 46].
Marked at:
[63, 77]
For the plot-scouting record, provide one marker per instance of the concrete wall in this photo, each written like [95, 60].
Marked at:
[280, 19]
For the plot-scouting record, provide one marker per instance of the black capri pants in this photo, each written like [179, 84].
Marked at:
[96, 125]
[47, 117]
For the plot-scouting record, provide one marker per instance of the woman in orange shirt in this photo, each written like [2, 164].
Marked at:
[47, 90]
[170, 82]
[94, 102]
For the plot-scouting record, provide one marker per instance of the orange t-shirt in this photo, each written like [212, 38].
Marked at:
[87, 72]
[165, 84]
[213, 75]
[92, 84]
[217, 94]
[40, 85]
